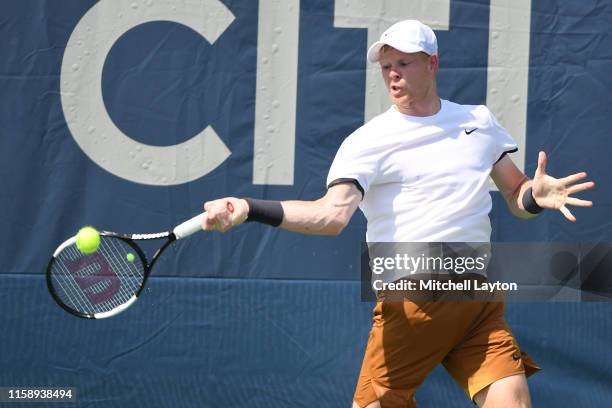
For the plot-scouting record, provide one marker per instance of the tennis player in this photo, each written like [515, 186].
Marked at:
[419, 172]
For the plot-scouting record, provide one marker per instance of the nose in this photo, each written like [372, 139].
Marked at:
[393, 74]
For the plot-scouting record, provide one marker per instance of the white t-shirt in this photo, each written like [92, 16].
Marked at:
[425, 179]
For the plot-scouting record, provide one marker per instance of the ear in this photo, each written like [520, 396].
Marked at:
[434, 63]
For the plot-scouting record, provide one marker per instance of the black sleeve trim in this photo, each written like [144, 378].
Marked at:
[505, 153]
[348, 180]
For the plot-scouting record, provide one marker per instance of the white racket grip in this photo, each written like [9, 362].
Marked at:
[189, 227]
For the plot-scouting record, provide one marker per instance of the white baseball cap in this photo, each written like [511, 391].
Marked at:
[406, 36]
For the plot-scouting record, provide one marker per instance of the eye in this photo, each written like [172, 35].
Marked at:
[386, 66]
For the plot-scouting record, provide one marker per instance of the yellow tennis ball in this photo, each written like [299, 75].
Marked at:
[130, 257]
[88, 240]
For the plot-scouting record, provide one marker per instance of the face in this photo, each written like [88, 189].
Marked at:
[408, 77]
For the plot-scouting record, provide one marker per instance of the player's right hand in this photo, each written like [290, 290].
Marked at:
[224, 213]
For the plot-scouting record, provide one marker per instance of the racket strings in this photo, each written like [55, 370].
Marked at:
[91, 295]
[99, 282]
[68, 277]
[65, 285]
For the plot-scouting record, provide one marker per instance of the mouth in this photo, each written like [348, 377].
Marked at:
[395, 89]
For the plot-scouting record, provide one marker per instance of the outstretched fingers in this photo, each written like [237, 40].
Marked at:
[557, 192]
[542, 160]
[580, 187]
[578, 202]
[573, 178]
[567, 213]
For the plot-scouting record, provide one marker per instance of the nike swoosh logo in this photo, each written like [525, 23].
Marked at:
[467, 132]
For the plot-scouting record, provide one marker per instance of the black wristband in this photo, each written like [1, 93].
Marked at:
[265, 211]
[529, 203]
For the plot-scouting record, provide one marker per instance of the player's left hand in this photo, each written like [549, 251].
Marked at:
[553, 193]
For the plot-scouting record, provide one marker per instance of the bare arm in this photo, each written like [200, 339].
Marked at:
[512, 184]
[325, 216]
[548, 192]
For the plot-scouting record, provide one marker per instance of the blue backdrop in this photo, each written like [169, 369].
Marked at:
[261, 317]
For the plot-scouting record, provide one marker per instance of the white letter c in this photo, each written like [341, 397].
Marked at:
[83, 106]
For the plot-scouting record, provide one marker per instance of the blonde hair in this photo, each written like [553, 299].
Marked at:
[387, 47]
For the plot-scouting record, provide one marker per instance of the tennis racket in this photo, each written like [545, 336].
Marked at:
[108, 281]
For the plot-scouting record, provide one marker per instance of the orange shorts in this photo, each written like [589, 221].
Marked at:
[410, 338]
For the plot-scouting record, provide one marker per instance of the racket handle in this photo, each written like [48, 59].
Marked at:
[189, 227]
